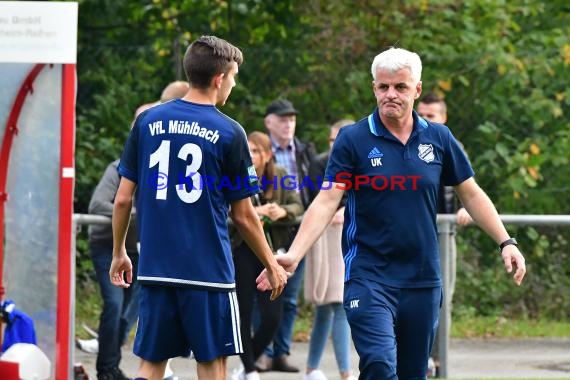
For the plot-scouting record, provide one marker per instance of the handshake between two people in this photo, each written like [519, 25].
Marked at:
[512, 258]
[287, 261]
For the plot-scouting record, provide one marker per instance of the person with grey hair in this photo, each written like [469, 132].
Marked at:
[295, 156]
[391, 163]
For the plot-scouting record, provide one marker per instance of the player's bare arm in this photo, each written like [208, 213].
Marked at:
[484, 213]
[121, 271]
[315, 221]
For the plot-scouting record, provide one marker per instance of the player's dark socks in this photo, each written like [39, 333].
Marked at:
[140, 378]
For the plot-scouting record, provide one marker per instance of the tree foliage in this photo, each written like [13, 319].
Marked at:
[502, 67]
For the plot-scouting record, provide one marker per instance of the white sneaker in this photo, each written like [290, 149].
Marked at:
[252, 376]
[431, 367]
[168, 372]
[316, 374]
[238, 373]
[88, 345]
[351, 377]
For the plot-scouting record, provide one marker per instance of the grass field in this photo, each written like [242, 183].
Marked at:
[471, 327]
[87, 308]
[88, 304]
[499, 327]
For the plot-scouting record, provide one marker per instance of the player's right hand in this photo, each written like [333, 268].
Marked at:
[277, 278]
[121, 271]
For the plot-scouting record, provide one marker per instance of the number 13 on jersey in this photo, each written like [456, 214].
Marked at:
[161, 156]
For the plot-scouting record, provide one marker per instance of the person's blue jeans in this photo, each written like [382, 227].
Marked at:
[329, 316]
[120, 309]
[284, 336]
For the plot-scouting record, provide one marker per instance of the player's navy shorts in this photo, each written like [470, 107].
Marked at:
[174, 321]
[392, 328]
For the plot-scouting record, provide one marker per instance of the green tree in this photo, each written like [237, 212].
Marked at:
[502, 66]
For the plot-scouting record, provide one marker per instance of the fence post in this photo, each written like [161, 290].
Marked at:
[445, 229]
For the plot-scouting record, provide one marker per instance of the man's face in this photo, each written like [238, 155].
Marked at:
[281, 128]
[432, 112]
[227, 84]
[395, 93]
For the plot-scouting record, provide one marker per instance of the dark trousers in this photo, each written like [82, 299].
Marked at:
[284, 336]
[120, 309]
[248, 267]
[392, 328]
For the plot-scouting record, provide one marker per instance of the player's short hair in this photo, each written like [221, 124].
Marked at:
[394, 59]
[207, 57]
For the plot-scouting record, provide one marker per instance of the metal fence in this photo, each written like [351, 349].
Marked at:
[446, 227]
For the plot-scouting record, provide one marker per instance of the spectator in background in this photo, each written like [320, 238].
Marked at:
[274, 203]
[120, 306]
[433, 108]
[324, 282]
[173, 90]
[295, 156]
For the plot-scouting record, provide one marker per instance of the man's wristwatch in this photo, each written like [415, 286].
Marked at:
[509, 241]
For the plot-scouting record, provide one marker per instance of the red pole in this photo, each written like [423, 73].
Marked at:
[66, 182]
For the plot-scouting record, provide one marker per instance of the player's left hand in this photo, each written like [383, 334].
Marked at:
[287, 261]
[511, 255]
[262, 282]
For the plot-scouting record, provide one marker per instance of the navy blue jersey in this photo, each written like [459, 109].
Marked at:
[189, 162]
[390, 230]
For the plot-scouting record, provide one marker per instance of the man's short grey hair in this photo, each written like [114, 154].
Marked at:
[395, 59]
